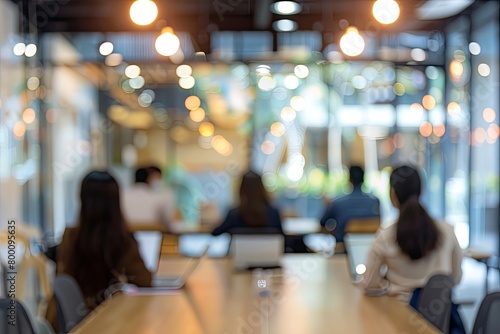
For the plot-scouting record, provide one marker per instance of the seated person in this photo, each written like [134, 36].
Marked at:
[99, 252]
[147, 202]
[413, 249]
[254, 210]
[357, 204]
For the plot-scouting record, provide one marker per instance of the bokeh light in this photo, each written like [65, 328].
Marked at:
[456, 69]
[278, 129]
[479, 136]
[184, 71]
[291, 82]
[51, 115]
[206, 129]
[288, 114]
[301, 71]
[493, 132]
[187, 82]
[19, 49]
[454, 109]
[429, 102]
[266, 83]
[167, 43]
[132, 71]
[267, 147]
[298, 103]
[197, 115]
[386, 11]
[29, 115]
[30, 50]
[33, 83]
[113, 59]
[137, 83]
[143, 12]
[439, 130]
[399, 89]
[352, 43]
[483, 70]
[425, 129]
[106, 48]
[399, 140]
[192, 102]
[222, 146]
[489, 115]
[19, 129]
[474, 48]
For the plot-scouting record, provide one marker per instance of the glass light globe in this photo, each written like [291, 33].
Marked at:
[352, 43]
[167, 43]
[143, 12]
[386, 11]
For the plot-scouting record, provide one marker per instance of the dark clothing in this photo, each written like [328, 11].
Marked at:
[234, 221]
[355, 205]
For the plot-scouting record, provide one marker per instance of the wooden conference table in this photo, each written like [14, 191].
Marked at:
[313, 295]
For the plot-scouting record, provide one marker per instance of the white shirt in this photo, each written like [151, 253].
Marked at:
[403, 274]
[143, 205]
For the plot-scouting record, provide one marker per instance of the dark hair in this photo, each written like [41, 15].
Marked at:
[101, 233]
[154, 169]
[356, 175]
[141, 175]
[417, 234]
[253, 200]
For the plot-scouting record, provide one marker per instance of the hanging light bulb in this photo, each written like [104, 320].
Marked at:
[386, 11]
[352, 43]
[167, 43]
[143, 12]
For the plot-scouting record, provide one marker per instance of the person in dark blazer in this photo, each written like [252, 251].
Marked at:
[100, 252]
[254, 210]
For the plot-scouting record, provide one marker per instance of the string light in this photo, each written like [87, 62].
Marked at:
[386, 11]
[167, 43]
[143, 12]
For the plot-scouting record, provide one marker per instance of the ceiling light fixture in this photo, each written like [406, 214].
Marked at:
[352, 43]
[286, 8]
[386, 11]
[285, 25]
[167, 43]
[143, 12]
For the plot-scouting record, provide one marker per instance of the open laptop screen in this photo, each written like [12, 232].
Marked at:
[357, 247]
[149, 248]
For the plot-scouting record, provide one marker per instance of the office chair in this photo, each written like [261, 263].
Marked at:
[71, 307]
[434, 301]
[20, 318]
[487, 319]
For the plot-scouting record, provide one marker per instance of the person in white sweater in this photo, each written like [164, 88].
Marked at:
[407, 253]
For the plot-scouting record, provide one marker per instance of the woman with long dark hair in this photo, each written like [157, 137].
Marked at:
[254, 210]
[414, 248]
[100, 252]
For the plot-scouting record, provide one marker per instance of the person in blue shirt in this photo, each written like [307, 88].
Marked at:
[357, 204]
[254, 210]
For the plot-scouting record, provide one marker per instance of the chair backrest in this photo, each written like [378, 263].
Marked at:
[434, 302]
[13, 318]
[488, 319]
[71, 307]
[362, 225]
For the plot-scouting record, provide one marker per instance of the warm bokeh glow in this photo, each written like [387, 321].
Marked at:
[183, 71]
[143, 12]
[456, 69]
[206, 129]
[113, 59]
[29, 116]
[187, 82]
[222, 146]
[489, 115]
[429, 102]
[132, 71]
[479, 136]
[352, 43]
[425, 129]
[197, 115]
[19, 129]
[167, 43]
[439, 130]
[454, 109]
[288, 114]
[278, 129]
[493, 133]
[386, 11]
[298, 103]
[267, 147]
[192, 102]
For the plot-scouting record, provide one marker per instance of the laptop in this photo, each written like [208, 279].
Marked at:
[251, 251]
[176, 271]
[358, 247]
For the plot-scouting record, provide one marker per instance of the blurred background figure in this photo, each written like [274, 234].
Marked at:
[148, 202]
[254, 210]
[357, 204]
[100, 251]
